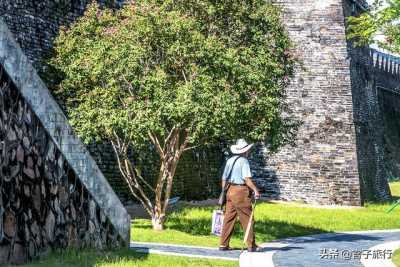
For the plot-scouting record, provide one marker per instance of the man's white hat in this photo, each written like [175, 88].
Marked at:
[240, 147]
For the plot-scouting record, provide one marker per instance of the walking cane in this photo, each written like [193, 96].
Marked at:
[250, 223]
[393, 206]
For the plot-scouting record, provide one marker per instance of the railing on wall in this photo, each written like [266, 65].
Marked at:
[385, 62]
[362, 4]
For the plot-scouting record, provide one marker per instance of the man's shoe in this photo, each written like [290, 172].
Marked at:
[225, 248]
[254, 249]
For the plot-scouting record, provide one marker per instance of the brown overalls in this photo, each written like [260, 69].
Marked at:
[238, 203]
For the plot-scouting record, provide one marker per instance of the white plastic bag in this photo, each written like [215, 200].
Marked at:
[217, 221]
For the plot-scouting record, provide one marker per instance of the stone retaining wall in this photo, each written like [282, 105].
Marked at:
[43, 105]
[42, 202]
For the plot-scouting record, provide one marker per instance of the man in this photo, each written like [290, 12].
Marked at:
[238, 198]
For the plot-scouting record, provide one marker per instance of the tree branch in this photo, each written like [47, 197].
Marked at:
[185, 142]
[166, 140]
[133, 169]
[130, 87]
[184, 76]
[130, 177]
[155, 141]
[173, 163]
[190, 148]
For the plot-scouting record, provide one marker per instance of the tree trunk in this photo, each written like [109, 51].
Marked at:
[170, 154]
[158, 222]
[173, 147]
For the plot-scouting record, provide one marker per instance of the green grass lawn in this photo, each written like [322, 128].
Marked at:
[123, 258]
[396, 258]
[192, 225]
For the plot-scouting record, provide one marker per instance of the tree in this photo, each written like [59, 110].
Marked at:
[381, 19]
[171, 75]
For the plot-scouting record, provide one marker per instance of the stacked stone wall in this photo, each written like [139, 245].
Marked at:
[42, 202]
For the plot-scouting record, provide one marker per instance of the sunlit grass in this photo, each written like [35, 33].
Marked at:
[192, 225]
[396, 258]
[122, 258]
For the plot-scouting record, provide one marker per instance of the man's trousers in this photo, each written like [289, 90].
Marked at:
[238, 203]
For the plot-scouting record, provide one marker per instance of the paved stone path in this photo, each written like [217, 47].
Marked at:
[304, 251]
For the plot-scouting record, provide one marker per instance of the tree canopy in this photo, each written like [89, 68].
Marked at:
[215, 69]
[381, 19]
[171, 75]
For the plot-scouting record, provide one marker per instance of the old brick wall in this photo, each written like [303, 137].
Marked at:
[43, 204]
[322, 168]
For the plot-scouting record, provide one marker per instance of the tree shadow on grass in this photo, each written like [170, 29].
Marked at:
[89, 258]
[266, 230]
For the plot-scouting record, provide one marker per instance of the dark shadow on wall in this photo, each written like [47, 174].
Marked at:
[264, 175]
[197, 176]
[389, 103]
[199, 173]
[369, 125]
[36, 23]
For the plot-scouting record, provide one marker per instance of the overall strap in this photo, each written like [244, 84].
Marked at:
[230, 172]
[227, 183]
